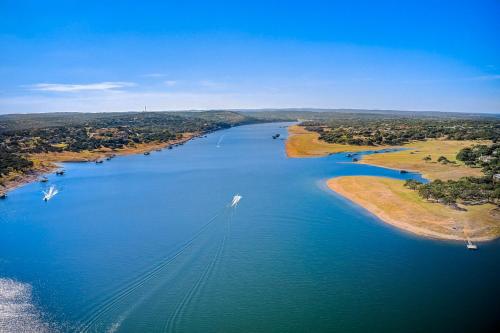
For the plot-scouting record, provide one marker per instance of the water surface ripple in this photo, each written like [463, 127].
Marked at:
[149, 244]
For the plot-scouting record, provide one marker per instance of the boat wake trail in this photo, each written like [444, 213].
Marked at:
[142, 279]
[95, 320]
[220, 141]
[50, 193]
[173, 321]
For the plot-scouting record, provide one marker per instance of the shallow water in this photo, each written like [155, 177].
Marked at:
[148, 244]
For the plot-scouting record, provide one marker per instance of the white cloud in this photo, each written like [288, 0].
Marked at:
[170, 83]
[62, 87]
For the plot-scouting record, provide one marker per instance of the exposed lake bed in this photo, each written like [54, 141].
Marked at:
[144, 243]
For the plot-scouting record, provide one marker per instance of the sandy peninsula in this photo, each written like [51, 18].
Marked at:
[398, 206]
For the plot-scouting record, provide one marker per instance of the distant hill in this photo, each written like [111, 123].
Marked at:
[230, 116]
[164, 118]
[323, 114]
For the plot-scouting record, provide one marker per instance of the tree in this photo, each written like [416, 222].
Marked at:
[412, 184]
[442, 159]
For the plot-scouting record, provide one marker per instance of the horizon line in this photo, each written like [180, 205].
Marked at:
[294, 109]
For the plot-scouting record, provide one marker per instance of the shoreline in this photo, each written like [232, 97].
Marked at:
[27, 178]
[411, 213]
[302, 143]
[305, 144]
[412, 159]
[47, 163]
[399, 207]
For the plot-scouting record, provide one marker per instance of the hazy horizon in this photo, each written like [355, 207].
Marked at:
[340, 110]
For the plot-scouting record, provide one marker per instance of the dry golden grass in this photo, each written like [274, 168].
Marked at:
[413, 159]
[389, 200]
[93, 155]
[303, 143]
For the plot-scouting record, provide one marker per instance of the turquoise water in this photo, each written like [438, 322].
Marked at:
[148, 244]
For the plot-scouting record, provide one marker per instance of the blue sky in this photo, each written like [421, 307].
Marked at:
[121, 55]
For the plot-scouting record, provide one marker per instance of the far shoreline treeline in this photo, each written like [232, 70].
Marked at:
[31, 143]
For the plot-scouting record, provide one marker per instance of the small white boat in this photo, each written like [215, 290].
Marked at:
[47, 195]
[236, 200]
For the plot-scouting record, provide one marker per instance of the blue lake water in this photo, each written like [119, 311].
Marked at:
[148, 244]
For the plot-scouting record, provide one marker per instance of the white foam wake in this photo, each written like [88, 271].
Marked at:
[17, 311]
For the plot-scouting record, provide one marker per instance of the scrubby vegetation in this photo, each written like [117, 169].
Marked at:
[467, 190]
[23, 135]
[392, 129]
[10, 162]
[389, 130]
[486, 157]
[378, 130]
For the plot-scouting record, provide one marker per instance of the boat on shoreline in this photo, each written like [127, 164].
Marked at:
[471, 246]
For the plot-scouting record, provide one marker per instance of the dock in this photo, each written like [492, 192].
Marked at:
[470, 245]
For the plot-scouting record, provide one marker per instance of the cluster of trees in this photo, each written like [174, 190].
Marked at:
[441, 159]
[22, 135]
[396, 131]
[10, 162]
[486, 157]
[467, 190]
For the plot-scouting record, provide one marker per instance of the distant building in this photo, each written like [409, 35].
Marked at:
[485, 158]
